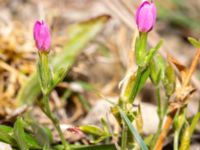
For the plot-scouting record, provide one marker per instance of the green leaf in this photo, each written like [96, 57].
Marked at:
[65, 59]
[133, 131]
[141, 77]
[194, 42]
[20, 135]
[91, 129]
[152, 52]
[6, 135]
[195, 121]
[58, 76]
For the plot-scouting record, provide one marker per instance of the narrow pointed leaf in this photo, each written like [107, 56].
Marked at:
[133, 131]
[141, 77]
[91, 129]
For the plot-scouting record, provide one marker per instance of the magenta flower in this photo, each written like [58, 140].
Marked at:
[146, 16]
[42, 36]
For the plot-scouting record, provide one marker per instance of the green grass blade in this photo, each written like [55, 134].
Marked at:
[141, 77]
[133, 131]
[65, 59]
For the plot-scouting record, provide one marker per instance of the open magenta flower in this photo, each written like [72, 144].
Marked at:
[146, 16]
[42, 36]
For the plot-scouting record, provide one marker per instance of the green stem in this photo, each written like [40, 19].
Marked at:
[143, 43]
[155, 137]
[159, 109]
[124, 136]
[161, 119]
[176, 139]
[55, 121]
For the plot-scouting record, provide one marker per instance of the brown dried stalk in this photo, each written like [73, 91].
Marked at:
[180, 98]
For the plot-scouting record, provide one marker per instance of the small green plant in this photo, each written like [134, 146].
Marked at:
[48, 79]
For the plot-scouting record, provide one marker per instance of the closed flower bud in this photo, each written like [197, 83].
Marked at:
[42, 36]
[146, 16]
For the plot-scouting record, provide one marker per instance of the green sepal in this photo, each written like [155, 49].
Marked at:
[140, 49]
[44, 72]
[134, 132]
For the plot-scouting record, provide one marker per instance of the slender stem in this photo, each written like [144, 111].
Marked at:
[163, 134]
[176, 139]
[156, 134]
[55, 121]
[164, 109]
[159, 112]
[159, 109]
[124, 137]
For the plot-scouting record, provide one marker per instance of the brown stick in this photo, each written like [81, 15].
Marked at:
[192, 68]
[163, 134]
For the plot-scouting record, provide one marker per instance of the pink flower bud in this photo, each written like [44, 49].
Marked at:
[146, 16]
[42, 36]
